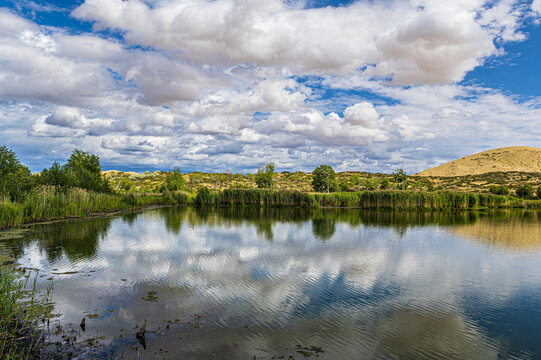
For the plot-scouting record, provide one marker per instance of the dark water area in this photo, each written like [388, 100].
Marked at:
[239, 283]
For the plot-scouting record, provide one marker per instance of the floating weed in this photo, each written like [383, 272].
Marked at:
[151, 296]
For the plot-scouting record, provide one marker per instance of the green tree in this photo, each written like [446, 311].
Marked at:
[264, 177]
[400, 177]
[83, 170]
[324, 179]
[174, 180]
[55, 176]
[15, 178]
[524, 191]
[538, 192]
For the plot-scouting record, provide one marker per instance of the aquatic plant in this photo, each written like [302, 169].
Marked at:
[21, 310]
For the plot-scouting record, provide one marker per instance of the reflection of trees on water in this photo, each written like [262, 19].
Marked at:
[79, 239]
[173, 218]
[130, 217]
[323, 228]
[324, 221]
[76, 239]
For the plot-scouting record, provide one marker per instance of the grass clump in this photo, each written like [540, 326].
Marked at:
[21, 310]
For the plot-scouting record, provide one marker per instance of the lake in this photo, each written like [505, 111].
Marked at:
[269, 283]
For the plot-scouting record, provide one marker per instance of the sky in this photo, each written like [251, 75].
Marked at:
[234, 84]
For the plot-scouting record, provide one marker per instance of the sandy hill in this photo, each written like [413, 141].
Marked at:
[514, 158]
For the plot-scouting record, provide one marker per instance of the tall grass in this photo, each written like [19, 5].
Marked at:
[48, 202]
[20, 313]
[366, 200]
[247, 197]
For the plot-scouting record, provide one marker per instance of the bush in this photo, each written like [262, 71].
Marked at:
[385, 184]
[174, 180]
[538, 192]
[524, 191]
[499, 190]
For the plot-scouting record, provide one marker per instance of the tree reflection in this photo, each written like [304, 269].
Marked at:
[76, 239]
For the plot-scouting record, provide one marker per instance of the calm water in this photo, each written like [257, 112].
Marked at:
[337, 284]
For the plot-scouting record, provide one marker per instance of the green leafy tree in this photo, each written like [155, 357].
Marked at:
[538, 192]
[524, 191]
[174, 180]
[55, 176]
[400, 177]
[264, 177]
[15, 178]
[324, 179]
[83, 170]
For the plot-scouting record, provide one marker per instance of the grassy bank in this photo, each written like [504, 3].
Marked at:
[47, 202]
[21, 311]
[405, 200]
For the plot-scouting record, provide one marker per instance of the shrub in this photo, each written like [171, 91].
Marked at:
[385, 184]
[499, 190]
[524, 191]
[174, 180]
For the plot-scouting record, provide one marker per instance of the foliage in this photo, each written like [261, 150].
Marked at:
[174, 180]
[385, 184]
[400, 177]
[524, 191]
[499, 189]
[49, 202]
[538, 191]
[15, 178]
[55, 176]
[21, 311]
[324, 179]
[411, 200]
[83, 170]
[264, 177]
[343, 186]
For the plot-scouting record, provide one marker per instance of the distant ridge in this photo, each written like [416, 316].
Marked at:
[507, 159]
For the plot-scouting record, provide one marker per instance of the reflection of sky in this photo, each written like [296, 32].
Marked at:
[366, 290]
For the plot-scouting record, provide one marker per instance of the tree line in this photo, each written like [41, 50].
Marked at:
[82, 170]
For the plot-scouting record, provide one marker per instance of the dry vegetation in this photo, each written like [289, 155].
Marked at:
[509, 159]
[299, 181]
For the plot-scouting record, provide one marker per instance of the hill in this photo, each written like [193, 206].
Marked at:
[522, 159]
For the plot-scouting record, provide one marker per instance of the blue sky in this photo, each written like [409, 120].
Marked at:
[234, 84]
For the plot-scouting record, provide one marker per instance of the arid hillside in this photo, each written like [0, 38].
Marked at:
[522, 159]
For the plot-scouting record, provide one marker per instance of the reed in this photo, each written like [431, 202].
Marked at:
[22, 307]
[49, 202]
[406, 200]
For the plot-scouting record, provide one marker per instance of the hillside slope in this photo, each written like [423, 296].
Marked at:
[508, 159]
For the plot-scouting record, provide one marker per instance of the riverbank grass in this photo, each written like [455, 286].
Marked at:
[21, 311]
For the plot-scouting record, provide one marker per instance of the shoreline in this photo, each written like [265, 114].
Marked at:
[384, 200]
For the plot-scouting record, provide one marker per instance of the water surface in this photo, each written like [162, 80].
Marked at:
[331, 284]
